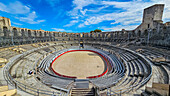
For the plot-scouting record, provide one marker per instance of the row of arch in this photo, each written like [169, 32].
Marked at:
[22, 32]
[40, 33]
[117, 34]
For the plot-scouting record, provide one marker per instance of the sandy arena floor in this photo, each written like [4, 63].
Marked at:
[81, 64]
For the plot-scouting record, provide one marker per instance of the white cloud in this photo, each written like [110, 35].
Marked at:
[130, 14]
[15, 23]
[98, 9]
[53, 2]
[71, 23]
[81, 25]
[23, 12]
[14, 8]
[78, 6]
[61, 30]
[119, 28]
[30, 18]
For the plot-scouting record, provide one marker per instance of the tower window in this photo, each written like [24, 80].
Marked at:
[148, 25]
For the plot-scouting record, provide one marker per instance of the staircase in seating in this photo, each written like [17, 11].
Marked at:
[82, 92]
[82, 88]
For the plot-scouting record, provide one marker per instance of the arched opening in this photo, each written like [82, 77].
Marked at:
[122, 34]
[45, 34]
[139, 33]
[40, 34]
[98, 35]
[15, 32]
[35, 33]
[29, 33]
[50, 34]
[154, 31]
[5, 30]
[133, 33]
[22, 32]
[145, 33]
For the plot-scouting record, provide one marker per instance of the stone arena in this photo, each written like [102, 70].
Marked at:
[117, 63]
[80, 64]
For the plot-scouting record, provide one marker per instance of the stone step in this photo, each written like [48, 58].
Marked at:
[82, 92]
[79, 94]
[81, 89]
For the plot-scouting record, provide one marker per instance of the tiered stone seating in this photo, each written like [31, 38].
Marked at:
[129, 71]
[135, 70]
[159, 59]
[7, 54]
[113, 77]
[44, 73]
[24, 65]
[167, 68]
[27, 47]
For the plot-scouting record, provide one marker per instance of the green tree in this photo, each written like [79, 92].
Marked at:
[97, 30]
[91, 31]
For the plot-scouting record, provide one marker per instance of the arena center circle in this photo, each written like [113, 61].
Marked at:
[65, 64]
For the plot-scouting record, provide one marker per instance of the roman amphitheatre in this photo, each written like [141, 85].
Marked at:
[117, 63]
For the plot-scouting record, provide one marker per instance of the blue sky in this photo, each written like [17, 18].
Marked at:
[78, 15]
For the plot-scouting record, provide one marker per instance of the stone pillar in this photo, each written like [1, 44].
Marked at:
[26, 32]
[1, 31]
[19, 32]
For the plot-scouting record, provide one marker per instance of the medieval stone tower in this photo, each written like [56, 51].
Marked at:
[153, 13]
[152, 17]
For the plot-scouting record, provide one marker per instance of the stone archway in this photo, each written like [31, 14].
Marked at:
[133, 33]
[145, 33]
[15, 32]
[40, 34]
[35, 33]
[29, 33]
[139, 33]
[45, 34]
[5, 30]
[22, 32]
